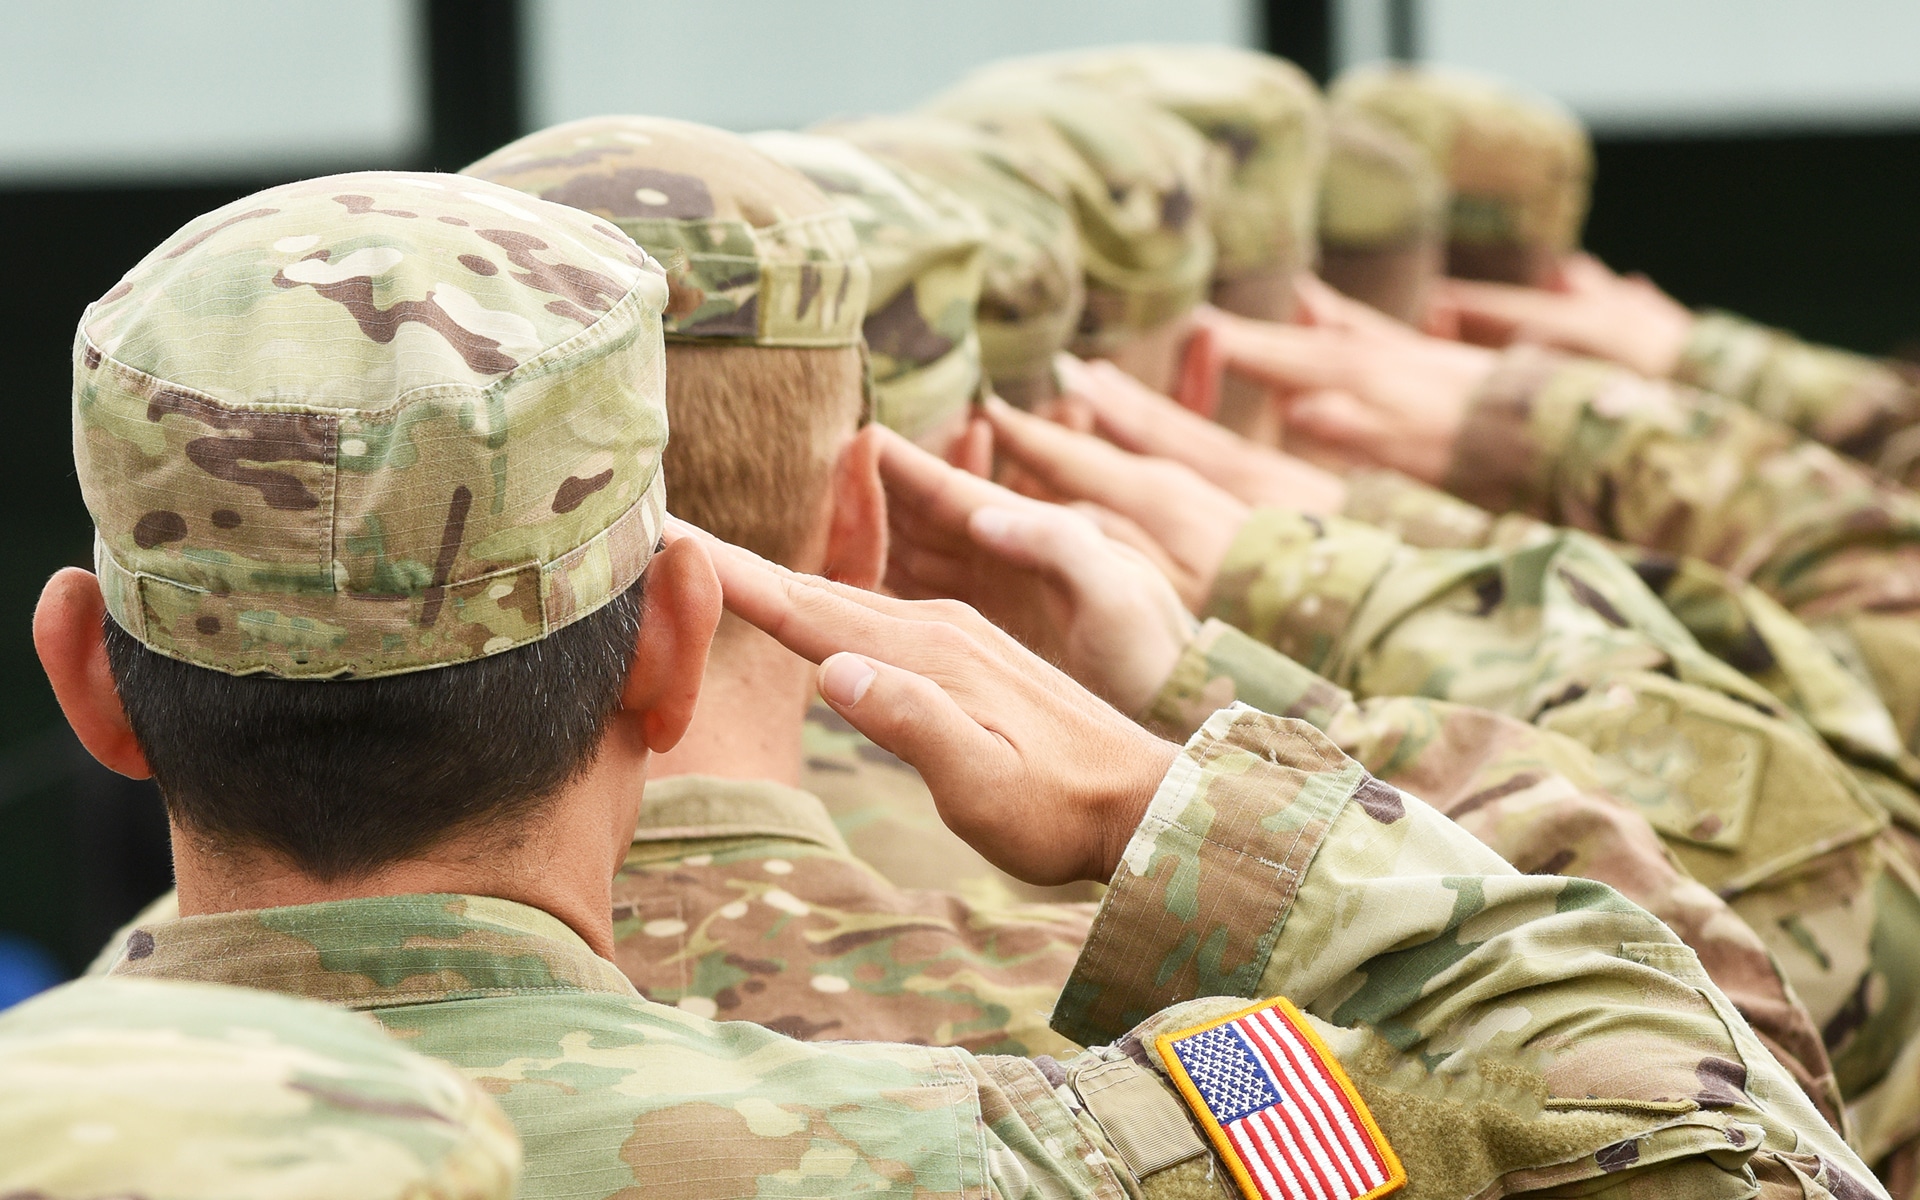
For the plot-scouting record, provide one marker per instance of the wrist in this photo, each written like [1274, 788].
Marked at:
[1120, 810]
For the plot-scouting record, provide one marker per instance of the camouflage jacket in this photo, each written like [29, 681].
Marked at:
[1661, 466]
[1858, 405]
[740, 900]
[1512, 1034]
[1561, 632]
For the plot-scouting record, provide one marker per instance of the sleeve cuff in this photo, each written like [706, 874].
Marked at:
[1211, 873]
[1294, 581]
[1222, 666]
[1415, 513]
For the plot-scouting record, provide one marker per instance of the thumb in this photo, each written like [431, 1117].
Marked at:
[1201, 366]
[907, 715]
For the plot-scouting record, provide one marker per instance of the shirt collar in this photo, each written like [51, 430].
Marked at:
[377, 951]
[699, 807]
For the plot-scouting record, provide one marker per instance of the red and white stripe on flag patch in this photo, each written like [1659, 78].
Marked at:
[1282, 1114]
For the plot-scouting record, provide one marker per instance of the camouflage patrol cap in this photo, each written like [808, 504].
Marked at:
[1383, 216]
[922, 244]
[1520, 165]
[754, 253]
[1138, 181]
[1031, 288]
[192, 1091]
[1265, 115]
[372, 423]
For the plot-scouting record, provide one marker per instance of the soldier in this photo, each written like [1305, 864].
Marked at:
[393, 768]
[1031, 287]
[1522, 169]
[191, 1091]
[836, 952]
[1383, 217]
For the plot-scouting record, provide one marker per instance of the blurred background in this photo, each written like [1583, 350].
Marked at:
[1759, 155]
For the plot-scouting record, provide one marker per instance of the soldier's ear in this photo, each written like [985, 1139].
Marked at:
[679, 612]
[857, 539]
[71, 642]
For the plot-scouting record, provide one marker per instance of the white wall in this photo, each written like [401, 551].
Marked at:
[93, 89]
[1680, 65]
[754, 64]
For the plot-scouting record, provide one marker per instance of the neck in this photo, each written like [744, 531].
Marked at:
[752, 712]
[560, 860]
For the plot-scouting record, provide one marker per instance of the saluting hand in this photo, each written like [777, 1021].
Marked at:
[1042, 777]
[1046, 574]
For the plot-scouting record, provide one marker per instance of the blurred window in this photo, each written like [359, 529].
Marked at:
[92, 90]
[1682, 66]
[755, 64]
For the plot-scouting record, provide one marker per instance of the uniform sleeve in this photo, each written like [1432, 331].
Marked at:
[1531, 796]
[1295, 582]
[1667, 468]
[1511, 1034]
[1858, 405]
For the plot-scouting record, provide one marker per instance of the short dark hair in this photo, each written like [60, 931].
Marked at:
[342, 777]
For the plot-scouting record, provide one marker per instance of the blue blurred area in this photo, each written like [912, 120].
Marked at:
[26, 969]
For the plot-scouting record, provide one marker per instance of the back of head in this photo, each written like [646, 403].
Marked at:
[923, 245]
[190, 1091]
[369, 456]
[1266, 118]
[1383, 217]
[1139, 183]
[767, 294]
[1031, 288]
[1520, 165]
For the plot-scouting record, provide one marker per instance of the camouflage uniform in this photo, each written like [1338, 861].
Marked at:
[1858, 405]
[1485, 1016]
[1663, 467]
[923, 245]
[177, 1091]
[1429, 979]
[1519, 164]
[1138, 181]
[1262, 113]
[1383, 216]
[1558, 631]
[1031, 289]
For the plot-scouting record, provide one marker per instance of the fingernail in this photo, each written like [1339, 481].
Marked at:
[845, 678]
[991, 525]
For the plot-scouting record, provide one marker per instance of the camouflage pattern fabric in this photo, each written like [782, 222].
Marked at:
[1520, 165]
[754, 253]
[1733, 620]
[190, 1091]
[740, 901]
[1562, 633]
[923, 246]
[1531, 796]
[1263, 113]
[1031, 289]
[1671, 469]
[1139, 183]
[371, 423]
[1383, 216]
[1860, 406]
[1484, 1016]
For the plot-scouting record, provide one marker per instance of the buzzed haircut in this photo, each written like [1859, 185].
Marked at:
[343, 777]
[754, 434]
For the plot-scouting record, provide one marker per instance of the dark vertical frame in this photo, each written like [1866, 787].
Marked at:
[1301, 31]
[476, 78]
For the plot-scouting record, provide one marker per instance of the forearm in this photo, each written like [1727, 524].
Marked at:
[1270, 865]
[1858, 405]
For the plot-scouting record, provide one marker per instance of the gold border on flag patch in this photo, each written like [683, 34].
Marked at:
[1278, 1108]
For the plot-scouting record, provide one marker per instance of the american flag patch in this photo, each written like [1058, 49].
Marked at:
[1282, 1114]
